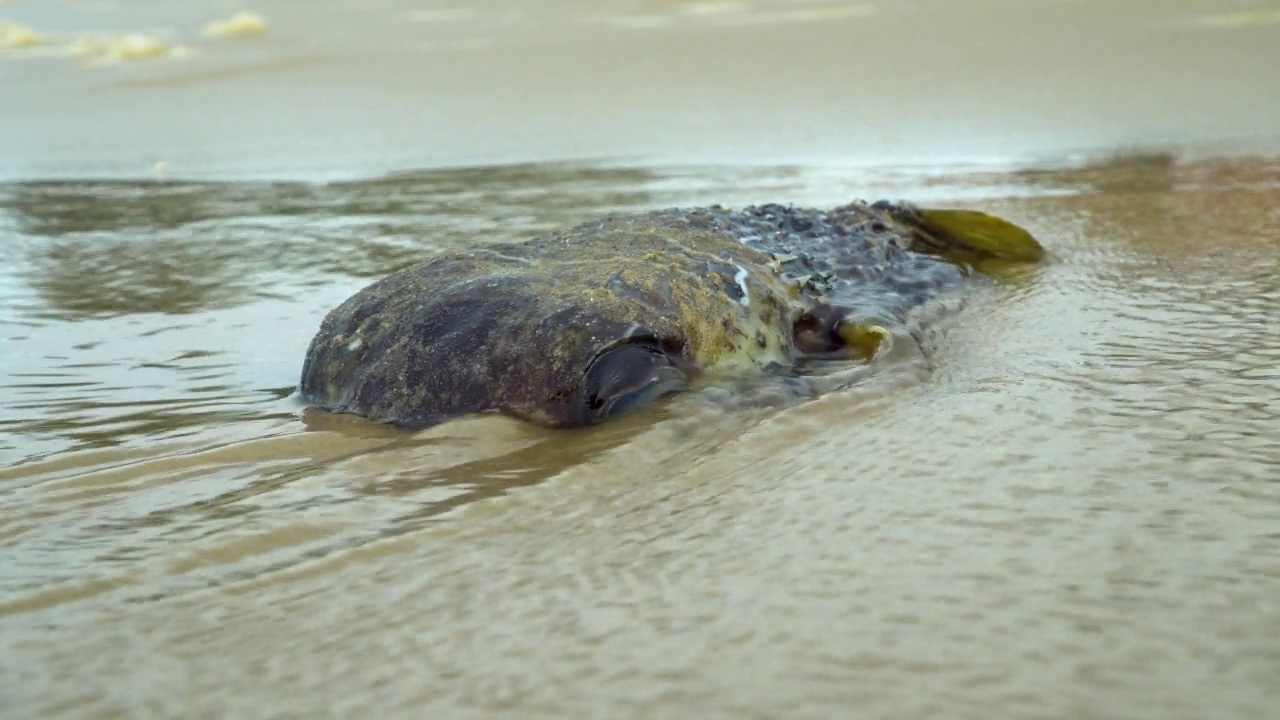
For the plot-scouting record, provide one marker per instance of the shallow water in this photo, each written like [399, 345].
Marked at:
[1068, 508]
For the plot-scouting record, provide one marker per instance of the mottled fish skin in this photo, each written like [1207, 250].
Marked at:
[513, 328]
[855, 256]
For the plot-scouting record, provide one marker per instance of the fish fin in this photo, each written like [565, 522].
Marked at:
[968, 237]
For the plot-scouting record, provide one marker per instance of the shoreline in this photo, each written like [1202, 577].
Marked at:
[330, 92]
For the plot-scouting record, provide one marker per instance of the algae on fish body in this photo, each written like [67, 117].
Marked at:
[610, 315]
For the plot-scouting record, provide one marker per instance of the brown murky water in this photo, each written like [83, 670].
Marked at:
[1072, 509]
[1069, 507]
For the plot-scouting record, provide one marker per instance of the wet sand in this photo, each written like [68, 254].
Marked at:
[1067, 507]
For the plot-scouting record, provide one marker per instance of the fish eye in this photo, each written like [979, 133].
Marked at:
[816, 332]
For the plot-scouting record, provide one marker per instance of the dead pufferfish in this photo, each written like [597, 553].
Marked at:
[613, 315]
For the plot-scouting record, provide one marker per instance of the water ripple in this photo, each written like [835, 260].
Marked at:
[1070, 512]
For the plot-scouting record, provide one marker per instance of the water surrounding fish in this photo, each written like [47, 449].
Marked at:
[1069, 502]
[1064, 504]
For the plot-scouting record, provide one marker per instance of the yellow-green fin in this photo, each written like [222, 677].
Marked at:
[972, 236]
[865, 340]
